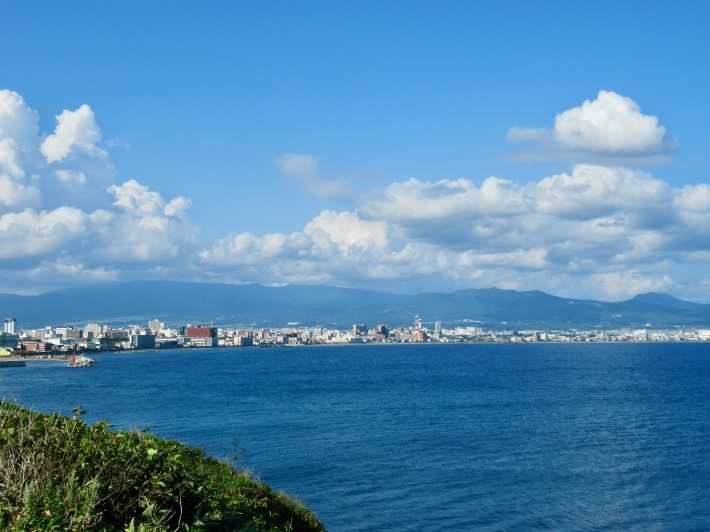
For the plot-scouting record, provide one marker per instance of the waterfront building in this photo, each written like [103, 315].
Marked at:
[143, 341]
[419, 336]
[383, 330]
[10, 326]
[359, 329]
[93, 330]
[9, 340]
[74, 334]
[199, 336]
[244, 341]
[198, 331]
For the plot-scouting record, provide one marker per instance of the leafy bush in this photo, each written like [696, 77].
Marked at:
[58, 473]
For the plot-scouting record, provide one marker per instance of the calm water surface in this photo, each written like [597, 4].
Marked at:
[428, 437]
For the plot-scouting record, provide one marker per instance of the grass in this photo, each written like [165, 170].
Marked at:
[59, 473]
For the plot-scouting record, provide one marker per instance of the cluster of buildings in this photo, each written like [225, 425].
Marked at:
[96, 337]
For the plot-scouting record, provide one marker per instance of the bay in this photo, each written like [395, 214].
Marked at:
[427, 437]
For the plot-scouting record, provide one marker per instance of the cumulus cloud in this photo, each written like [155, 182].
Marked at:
[177, 207]
[347, 232]
[611, 123]
[612, 126]
[305, 169]
[146, 228]
[595, 191]
[137, 199]
[17, 195]
[61, 215]
[39, 233]
[692, 203]
[17, 120]
[9, 158]
[74, 129]
[417, 201]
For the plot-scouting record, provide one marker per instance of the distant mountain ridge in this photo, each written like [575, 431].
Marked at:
[254, 305]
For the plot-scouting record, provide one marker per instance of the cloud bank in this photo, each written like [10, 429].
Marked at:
[598, 231]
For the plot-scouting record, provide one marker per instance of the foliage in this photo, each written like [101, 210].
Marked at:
[58, 473]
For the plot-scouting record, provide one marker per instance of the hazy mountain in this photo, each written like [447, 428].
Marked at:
[255, 305]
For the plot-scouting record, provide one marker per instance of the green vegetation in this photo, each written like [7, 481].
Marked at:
[59, 473]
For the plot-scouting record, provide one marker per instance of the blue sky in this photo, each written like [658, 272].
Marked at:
[401, 146]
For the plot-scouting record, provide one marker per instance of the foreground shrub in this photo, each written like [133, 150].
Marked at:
[58, 473]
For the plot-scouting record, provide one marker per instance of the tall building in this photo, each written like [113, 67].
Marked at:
[93, 330]
[156, 326]
[143, 341]
[359, 329]
[200, 336]
[10, 325]
[383, 330]
[199, 331]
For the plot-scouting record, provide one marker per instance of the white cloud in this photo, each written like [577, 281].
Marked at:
[137, 199]
[146, 229]
[415, 200]
[17, 120]
[611, 123]
[692, 203]
[144, 239]
[609, 129]
[62, 217]
[177, 207]
[39, 233]
[9, 158]
[17, 195]
[66, 168]
[347, 232]
[593, 191]
[74, 129]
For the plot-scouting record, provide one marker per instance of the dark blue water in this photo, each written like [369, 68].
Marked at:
[428, 437]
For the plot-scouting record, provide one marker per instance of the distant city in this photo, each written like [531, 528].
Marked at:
[61, 340]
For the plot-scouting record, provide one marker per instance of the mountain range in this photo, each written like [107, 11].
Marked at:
[256, 306]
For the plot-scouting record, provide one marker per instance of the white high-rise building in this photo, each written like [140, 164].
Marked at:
[156, 326]
[94, 329]
[10, 325]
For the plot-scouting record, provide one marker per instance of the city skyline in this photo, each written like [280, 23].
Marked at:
[410, 147]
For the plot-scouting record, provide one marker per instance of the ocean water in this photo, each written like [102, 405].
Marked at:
[427, 437]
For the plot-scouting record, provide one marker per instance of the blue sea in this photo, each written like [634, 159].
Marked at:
[427, 437]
